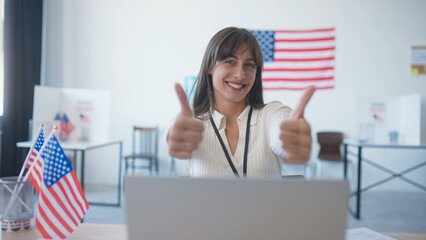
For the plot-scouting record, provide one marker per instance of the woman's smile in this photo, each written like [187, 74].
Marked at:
[235, 86]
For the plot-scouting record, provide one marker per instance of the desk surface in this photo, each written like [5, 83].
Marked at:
[111, 231]
[356, 143]
[75, 145]
[84, 231]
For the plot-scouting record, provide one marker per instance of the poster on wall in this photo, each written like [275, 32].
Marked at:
[81, 115]
[418, 60]
[295, 59]
[372, 119]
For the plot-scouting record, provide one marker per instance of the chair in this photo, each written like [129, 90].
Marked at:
[144, 148]
[330, 144]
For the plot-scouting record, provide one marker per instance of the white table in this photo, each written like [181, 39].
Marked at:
[358, 154]
[115, 231]
[82, 147]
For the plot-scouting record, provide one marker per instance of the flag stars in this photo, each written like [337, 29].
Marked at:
[56, 163]
[40, 141]
[266, 42]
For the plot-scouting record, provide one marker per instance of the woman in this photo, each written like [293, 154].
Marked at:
[232, 131]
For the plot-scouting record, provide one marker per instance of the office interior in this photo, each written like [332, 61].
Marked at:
[137, 50]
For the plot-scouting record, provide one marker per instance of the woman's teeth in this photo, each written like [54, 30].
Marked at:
[234, 85]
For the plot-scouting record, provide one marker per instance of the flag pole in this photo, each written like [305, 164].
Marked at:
[15, 194]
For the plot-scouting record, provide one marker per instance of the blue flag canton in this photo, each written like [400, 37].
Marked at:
[56, 163]
[267, 44]
[40, 141]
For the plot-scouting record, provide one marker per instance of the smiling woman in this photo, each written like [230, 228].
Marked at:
[222, 48]
[232, 131]
[233, 78]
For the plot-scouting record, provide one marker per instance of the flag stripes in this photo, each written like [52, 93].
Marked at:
[62, 206]
[33, 155]
[46, 227]
[35, 148]
[35, 174]
[76, 212]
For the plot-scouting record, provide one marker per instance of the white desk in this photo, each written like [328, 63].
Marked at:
[359, 146]
[113, 231]
[82, 147]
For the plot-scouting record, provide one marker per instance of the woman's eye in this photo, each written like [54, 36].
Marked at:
[230, 61]
[251, 65]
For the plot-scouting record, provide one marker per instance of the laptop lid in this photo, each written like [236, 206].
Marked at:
[211, 208]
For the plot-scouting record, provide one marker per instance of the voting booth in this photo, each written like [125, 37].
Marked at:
[80, 114]
[395, 120]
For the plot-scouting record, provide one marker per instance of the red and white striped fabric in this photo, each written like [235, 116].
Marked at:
[35, 173]
[34, 158]
[295, 59]
[35, 149]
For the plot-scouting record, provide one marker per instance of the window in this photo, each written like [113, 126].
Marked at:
[1, 56]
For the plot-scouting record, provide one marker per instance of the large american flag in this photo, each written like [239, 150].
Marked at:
[295, 59]
[62, 203]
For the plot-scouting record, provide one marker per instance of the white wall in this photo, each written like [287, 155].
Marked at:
[137, 49]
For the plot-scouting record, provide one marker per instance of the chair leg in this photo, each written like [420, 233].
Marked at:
[150, 166]
[133, 166]
[126, 165]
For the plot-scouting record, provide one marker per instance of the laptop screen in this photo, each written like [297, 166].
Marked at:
[212, 208]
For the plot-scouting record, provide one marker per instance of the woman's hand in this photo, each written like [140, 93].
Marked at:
[295, 133]
[186, 132]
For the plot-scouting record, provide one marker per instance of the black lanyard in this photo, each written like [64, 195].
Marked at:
[245, 147]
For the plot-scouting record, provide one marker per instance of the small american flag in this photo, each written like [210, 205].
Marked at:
[67, 127]
[84, 118]
[62, 203]
[296, 59]
[35, 149]
[378, 111]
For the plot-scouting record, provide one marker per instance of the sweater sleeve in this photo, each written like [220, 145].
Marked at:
[278, 113]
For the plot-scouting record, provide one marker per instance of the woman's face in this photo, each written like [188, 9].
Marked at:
[233, 77]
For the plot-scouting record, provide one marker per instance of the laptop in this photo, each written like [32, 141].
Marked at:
[249, 209]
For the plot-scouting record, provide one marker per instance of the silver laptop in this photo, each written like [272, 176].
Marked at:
[250, 209]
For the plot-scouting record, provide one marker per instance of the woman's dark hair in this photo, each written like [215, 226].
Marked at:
[223, 45]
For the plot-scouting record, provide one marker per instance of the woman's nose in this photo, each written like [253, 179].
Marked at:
[239, 72]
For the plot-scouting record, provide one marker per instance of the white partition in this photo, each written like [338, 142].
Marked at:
[404, 115]
[81, 114]
[413, 119]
